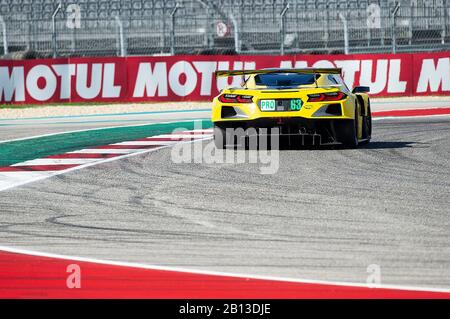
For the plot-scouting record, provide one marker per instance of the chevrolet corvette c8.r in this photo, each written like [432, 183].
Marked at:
[307, 106]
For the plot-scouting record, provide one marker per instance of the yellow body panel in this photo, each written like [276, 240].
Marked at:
[253, 111]
[326, 83]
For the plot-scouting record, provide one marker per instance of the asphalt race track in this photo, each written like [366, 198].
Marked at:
[327, 214]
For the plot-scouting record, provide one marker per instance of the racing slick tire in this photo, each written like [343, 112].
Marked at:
[232, 138]
[224, 137]
[346, 131]
[367, 127]
[220, 140]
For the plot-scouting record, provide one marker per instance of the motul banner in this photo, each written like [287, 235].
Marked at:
[181, 78]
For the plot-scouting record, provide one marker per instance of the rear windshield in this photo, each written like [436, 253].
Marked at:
[285, 79]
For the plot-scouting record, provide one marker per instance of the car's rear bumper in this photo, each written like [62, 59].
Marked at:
[290, 127]
[325, 111]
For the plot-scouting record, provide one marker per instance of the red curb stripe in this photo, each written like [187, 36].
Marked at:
[414, 112]
[82, 155]
[25, 276]
[31, 168]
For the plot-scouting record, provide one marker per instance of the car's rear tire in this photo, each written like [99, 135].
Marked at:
[232, 138]
[220, 140]
[346, 131]
[367, 127]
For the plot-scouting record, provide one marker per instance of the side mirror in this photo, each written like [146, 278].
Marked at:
[361, 89]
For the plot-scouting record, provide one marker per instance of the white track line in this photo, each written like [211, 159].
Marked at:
[57, 161]
[22, 174]
[105, 151]
[378, 118]
[13, 179]
[216, 273]
[149, 143]
[178, 136]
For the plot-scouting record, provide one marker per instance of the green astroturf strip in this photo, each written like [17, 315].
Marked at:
[20, 151]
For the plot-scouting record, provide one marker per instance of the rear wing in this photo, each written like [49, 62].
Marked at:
[267, 71]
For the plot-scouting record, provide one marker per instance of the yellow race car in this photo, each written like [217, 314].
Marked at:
[307, 106]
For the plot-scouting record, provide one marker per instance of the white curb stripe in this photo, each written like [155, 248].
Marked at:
[178, 136]
[149, 143]
[209, 130]
[20, 176]
[59, 161]
[13, 179]
[105, 151]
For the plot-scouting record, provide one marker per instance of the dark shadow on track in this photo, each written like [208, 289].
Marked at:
[370, 146]
[390, 145]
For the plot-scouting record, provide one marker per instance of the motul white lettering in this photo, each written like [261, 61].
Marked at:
[12, 85]
[186, 88]
[394, 83]
[323, 64]
[223, 82]
[250, 65]
[37, 72]
[92, 91]
[349, 69]
[65, 72]
[298, 64]
[366, 76]
[149, 81]
[109, 89]
[434, 76]
[206, 69]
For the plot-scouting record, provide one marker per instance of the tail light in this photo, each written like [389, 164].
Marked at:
[245, 98]
[333, 96]
[234, 98]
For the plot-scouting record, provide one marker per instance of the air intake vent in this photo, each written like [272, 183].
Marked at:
[329, 110]
[334, 109]
[228, 111]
